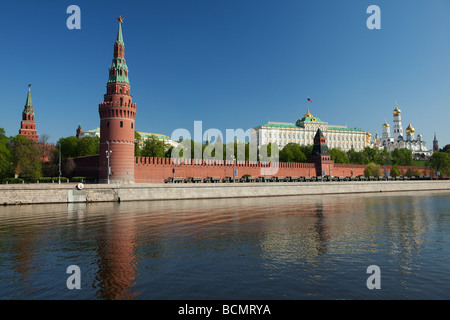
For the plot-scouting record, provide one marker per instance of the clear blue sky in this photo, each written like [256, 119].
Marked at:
[230, 63]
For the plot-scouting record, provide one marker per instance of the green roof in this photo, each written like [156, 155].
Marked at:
[119, 39]
[311, 119]
[29, 103]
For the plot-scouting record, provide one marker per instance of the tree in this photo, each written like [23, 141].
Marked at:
[88, 146]
[6, 157]
[292, 153]
[27, 162]
[69, 147]
[402, 157]
[339, 156]
[440, 162]
[372, 169]
[395, 172]
[137, 144]
[153, 147]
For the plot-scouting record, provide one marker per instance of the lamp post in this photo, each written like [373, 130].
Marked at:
[234, 161]
[108, 154]
[59, 177]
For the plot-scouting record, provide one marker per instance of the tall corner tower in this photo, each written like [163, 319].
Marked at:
[28, 124]
[398, 129]
[117, 117]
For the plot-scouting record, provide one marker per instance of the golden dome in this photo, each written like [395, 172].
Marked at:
[410, 129]
[397, 111]
[385, 125]
[308, 114]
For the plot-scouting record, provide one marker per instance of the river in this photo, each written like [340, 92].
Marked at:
[292, 248]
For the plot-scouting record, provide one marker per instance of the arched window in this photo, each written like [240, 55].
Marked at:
[121, 100]
[121, 124]
[107, 124]
[132, 125]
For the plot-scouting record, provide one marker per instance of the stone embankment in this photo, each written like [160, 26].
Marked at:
[69, 193]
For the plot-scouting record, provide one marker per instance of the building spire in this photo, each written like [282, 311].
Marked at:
[119, 39]
[29, 102]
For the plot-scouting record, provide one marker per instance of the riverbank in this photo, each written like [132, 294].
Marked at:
[68, 193]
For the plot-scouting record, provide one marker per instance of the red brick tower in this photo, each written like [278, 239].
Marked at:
[117, 116]
[28, 125]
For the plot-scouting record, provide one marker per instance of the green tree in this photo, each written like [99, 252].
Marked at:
[6, 157]
[357, 157]
[88, 146]
[137, 144]
[440, 162]
[395, 172]
[26, 158]
[153, 147]
[339, 156]
[292, 153]
[69, 147]
[372, 169]
[402, 157]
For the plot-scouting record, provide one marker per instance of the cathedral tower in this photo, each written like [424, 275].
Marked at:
[398, 129]
[117, 116]
[28, 125]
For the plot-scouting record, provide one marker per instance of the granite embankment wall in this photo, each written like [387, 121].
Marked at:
[67, 193]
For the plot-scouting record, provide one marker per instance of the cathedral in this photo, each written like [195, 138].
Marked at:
[399, 141]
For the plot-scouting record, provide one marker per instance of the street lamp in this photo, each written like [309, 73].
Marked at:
[108, 154]
[234, 171]
[59, 177]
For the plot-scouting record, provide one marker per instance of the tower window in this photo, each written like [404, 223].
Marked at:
[121, 100]
[132, 125]
[107, 124]
[121, 124]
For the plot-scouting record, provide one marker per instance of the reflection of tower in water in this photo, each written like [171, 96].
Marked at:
[116, 257]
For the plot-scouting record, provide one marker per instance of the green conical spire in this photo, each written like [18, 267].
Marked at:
[29, 103]
[119, 39]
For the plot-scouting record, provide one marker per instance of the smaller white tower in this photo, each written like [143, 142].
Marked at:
[398, 129]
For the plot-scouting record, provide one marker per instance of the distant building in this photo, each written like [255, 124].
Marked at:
[398, 140]
[304, 130]
[28, 124]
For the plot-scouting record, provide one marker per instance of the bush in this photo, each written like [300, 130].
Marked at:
[13, 180]
[395, 172]
[372, 169]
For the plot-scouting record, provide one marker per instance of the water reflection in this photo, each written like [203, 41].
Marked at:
[138, 250]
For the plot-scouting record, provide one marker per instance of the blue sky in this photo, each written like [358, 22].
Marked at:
[230, 63]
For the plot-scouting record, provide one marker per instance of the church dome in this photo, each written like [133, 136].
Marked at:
[385, 125]
[397, 111]
[410, 129]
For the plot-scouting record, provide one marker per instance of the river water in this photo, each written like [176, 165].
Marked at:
[294, 248]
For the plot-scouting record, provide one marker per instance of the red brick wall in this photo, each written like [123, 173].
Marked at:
[157, 169]
[154, 170]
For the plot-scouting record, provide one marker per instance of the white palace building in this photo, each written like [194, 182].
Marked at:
[304, 130]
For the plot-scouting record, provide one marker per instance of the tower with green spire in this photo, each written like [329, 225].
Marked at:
[117, 116]
[28, 124]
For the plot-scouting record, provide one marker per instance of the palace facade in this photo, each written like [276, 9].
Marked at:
[304, 130]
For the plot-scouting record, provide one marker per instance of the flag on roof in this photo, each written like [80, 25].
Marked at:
[309, 99]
